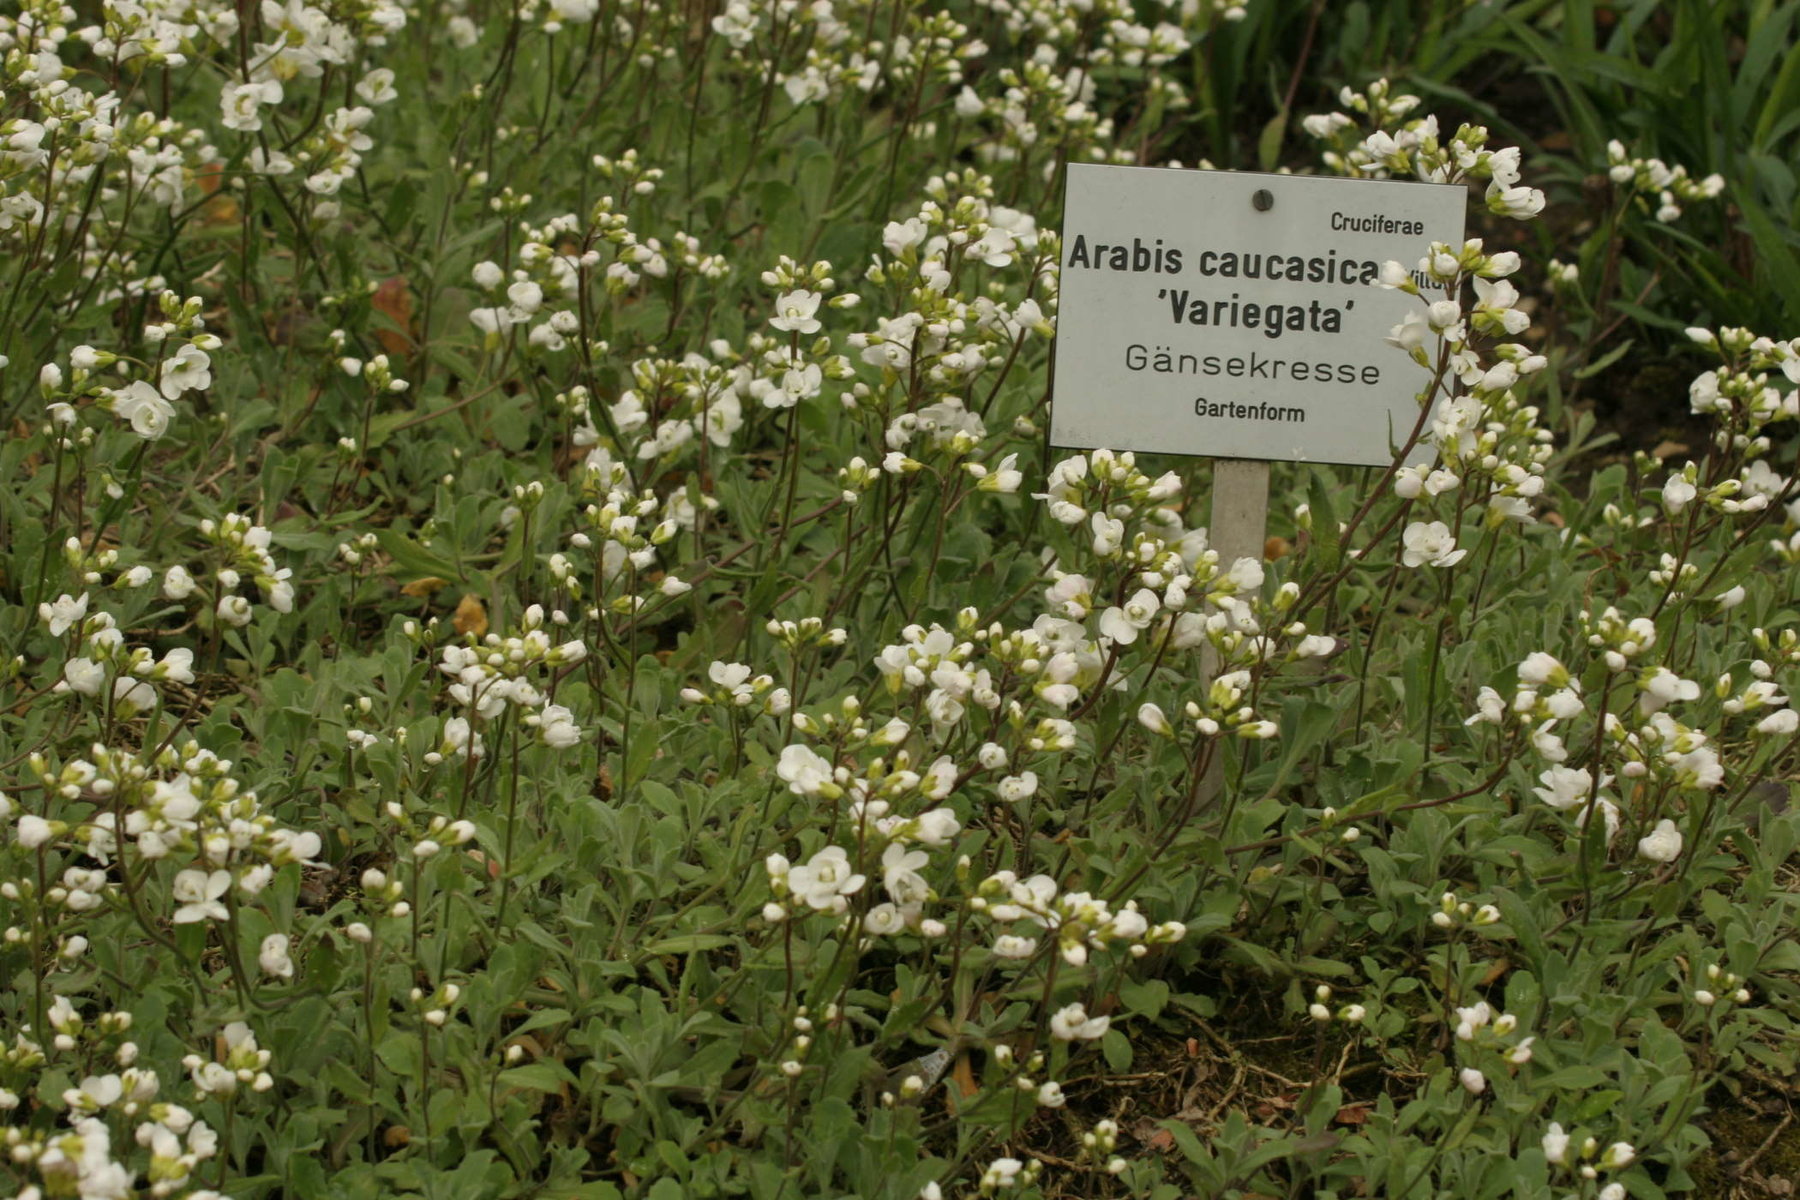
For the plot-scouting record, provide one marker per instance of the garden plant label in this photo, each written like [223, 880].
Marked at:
[1240, 315]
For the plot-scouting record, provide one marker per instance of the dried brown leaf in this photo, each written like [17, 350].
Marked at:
[393, 300]
[471, 615]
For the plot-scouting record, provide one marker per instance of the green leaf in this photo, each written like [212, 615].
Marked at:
[1116, 1048]
[1268, 143]
[1604, 361]
[414, 559]
[546, 1075]
[1776, 264]
[1146, 999]
[688, 943]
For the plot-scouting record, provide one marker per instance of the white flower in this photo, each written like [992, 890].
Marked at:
[1540, 668]
[1108, 532]
[794, 312]
[1519, 203]
[1123, 624]
[1564, 705]
[211, 1078]
[1662, 844]
[144, 408]
[1781, 721]
[1019, 787]
[1445, 316]
[900, 874]
[1472, 1080]
[1567, 787]
[460, 739]
[1555, 1143]
[177, 666]
[797, 384]
[234, 610]
[1004, 478]
[900, 236]
[189, 371]
[199, 892]
[937, 827]
[83, 676]
[1071, 1022]
[1490, 708]
[1430, 545]
[377, 87]
[64, 611]
[1409, 335]
[1478, 1015]
[806, 774]
[34, 831]
[1151, 717]
[1001, 1173]
[556, 725]
[825, 880]
[1009, 945]
[1661, 686]
[274, 956]
[239, 102]
[884, 920]
[133, 696]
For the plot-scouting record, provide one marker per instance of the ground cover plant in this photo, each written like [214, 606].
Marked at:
[547, 652]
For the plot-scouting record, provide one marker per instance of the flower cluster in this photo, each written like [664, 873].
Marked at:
[168, 1143]
[1483, 1032]
[1491, 447]
[1671, 187]
[1656, 758]
[1586, 1158]
[1741, 397]
[121, 678]
[242, 549]
[502, 673]
[1074, 922]
[178, 802]
[178, 362]
[1397, 146]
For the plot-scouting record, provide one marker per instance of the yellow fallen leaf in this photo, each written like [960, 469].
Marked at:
[471, 615]
[964, 1074]
[425, 586]
[219, 208]
[394, 301]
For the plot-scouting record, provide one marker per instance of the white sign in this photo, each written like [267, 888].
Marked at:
[1240, 315]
